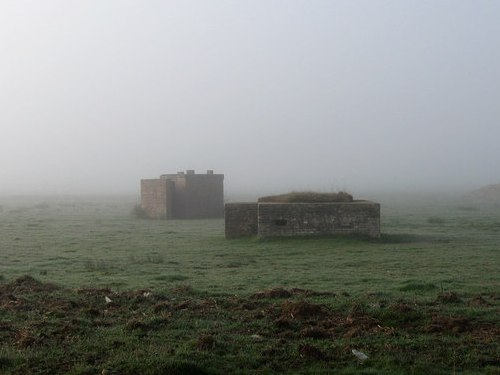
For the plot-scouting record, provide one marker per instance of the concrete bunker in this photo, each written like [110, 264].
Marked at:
[309, 214]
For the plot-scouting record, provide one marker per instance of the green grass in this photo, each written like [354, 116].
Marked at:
[430, 250]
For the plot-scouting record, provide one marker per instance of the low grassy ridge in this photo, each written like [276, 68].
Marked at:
[87, 289]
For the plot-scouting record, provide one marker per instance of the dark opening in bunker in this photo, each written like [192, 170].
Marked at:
[280, 222]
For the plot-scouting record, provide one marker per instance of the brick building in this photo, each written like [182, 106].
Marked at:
[184, 195]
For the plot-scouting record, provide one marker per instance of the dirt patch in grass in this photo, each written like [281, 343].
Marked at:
[272, 293]
[147, 323]
[205, 342]
[100, 292]
[200, 305]
[315, 333]
[449, 324]
[448, 297]
[310, 293]
[302, 310]
[401, 308]
[479, 301]
[243, 305]
[288, 293]
[359, 322]
[5, 327]
[9, 301]
[26, 284]
[162, 306]
[311, 352]
[182, 289]
[24, 338]
[136, 323]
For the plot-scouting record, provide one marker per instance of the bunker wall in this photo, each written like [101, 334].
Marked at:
[240, 219]
[156, 198]
[304, 219]
[203, 196]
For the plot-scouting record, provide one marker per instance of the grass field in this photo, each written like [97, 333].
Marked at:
[423, 299]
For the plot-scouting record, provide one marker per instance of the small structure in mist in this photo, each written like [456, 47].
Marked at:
[303, 214]
[184, 195]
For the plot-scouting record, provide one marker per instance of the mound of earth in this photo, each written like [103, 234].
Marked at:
[307, 197]
[486, 193]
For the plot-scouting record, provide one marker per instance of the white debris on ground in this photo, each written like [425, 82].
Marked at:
[360, 355]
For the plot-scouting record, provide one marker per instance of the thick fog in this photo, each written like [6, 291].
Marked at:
[277, 95]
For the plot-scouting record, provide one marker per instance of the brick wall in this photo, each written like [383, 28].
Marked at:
[240, 219]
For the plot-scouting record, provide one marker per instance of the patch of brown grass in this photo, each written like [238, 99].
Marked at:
[272, 293]
[27, 284]
[457, 324]
[448, 297]
[205, 342]
[311, 352]
[302, 310]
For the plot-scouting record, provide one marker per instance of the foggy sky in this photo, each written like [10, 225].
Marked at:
[277, 95]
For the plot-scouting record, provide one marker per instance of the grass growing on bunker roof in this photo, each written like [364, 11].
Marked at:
[308, 197]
